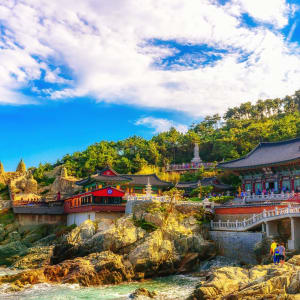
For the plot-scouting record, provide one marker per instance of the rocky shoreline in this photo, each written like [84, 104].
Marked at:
[156, 240]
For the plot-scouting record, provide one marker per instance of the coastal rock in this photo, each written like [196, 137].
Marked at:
[259, 282]
[71, 245]
[127, 248]
[36, 258]
[94, 269]
[142, 292]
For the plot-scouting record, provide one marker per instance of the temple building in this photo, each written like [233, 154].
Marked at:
[104, 204]
[272, 167]
[130, 184]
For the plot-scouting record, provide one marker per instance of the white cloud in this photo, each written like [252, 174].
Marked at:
[104, 45]
[161, 125]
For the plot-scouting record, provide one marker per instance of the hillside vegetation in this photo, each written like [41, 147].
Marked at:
[221, 138]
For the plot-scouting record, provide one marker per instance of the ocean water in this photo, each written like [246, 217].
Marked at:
[177, 287]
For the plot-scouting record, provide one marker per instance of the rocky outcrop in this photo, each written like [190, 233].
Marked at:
[173, 244]
[259, 282]
[94, 269]
[142, 292]
[64, 183]
[36, 257]
[156, 240]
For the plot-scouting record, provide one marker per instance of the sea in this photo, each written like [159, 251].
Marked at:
[176, 287]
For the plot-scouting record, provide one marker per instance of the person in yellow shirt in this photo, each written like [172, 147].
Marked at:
[273, 247]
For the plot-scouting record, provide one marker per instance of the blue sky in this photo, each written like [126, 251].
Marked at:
[74, 74]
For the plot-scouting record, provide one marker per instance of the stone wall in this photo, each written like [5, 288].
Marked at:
[34, 219]
[237, 245]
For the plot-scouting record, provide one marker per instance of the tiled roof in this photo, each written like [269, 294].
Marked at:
[143, 180]
[132, 179]
[204, 182]
[267, 154]
[102, 178]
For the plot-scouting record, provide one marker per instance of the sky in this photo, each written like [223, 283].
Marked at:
[73, 73]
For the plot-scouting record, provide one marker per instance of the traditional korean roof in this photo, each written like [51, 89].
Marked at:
[102, 178]
[188, 185]
[267, 154]
[204, 182]
[110, 175]
[143, 180]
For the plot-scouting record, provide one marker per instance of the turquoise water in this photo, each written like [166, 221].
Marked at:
[177, 287]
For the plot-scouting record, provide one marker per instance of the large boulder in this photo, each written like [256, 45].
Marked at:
[259, 282]
[35, 258]
[74, 243]
[94, 269]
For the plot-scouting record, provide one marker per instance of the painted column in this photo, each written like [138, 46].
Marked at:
[293, 184]
[253, 187]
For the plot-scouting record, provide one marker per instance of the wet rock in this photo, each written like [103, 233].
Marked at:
[95, 269]
[142, 292]
[259, 282]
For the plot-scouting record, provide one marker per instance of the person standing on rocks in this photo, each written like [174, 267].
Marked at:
[281, 249]
[276, 256]
[273, 247]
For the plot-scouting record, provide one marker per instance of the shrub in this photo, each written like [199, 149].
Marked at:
[221, 199]
[148, 226]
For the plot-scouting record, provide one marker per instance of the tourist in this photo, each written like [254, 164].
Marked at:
[273, 247]
[276, 256]
[281, 249]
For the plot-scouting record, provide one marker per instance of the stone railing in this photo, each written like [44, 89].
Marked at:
[148, 198]
[269, 197]
[188, 166]
[256, 219]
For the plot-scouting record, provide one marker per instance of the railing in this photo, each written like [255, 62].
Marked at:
[255, 219]
[37, 204]
[266, 197]
[147, 198]
[189, 166]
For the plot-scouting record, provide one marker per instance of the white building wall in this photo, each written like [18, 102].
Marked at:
[78, 218]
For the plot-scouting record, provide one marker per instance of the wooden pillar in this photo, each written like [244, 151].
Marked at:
[253, 187]
[292, 184]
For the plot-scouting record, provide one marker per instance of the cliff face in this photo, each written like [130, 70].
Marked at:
[155, 240]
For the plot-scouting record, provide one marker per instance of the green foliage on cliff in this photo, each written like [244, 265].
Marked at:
[7, 217]
[148, 226]
[4, 193]
[220, 138]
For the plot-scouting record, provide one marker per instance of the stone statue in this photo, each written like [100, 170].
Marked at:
[21, 168]
[63, 173]
[196, 158]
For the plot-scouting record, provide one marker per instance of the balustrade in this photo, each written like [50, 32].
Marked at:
[256, 218]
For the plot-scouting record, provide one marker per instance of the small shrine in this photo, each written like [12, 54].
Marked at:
[195, 164]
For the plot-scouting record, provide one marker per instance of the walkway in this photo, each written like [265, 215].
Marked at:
[257, 219]
[269, 220]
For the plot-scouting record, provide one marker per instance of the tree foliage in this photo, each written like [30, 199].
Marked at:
[220, 138]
